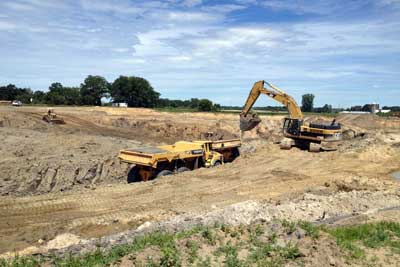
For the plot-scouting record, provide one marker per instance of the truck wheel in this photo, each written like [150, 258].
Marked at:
[314, 147]
[217, 163]
[235, 153]
[164, 173]
[286, 144]
[133, 175]
[183, 169]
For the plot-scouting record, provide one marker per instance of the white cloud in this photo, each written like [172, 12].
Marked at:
[325, 75]
[131, 61]
[7, 26]
[302, 6]
[389, 2]
[192, 17]
[223, 8]
[30, 5]
[180, 58]
[191, 3]
[123, 7]
[19, 6]
[120, 50]
[93, 30]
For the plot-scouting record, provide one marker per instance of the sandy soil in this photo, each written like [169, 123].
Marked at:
[57, 179]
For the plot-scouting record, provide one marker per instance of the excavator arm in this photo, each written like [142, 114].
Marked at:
[248, 121]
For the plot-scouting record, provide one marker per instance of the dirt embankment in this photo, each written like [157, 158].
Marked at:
[40, 158]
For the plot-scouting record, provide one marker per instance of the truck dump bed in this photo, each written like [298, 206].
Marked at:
[151, 156]
[224, 144]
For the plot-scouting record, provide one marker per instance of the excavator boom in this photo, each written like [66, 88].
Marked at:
[248, 120]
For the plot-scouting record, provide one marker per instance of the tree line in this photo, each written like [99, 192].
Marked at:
[307, 105]
[135, 91]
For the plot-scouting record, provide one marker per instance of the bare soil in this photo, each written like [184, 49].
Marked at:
[57, 179]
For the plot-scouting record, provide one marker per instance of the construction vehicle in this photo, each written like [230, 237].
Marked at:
[151, 162]
[52, 118]
[297, 132]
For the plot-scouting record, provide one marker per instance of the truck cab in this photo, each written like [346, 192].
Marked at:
[211, 158]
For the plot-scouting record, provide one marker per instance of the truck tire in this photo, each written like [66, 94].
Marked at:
[183, 169]
[164, 173]
[217, 163]
[314, 147]
[235, 153]
[286, 144]
[133, 175]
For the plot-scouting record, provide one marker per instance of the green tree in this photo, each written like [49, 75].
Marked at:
[326, 108]
[307, 103]
[8, 92]
[11, 92]
[25, 95]
[194, 103]
[38, 97]
[72, 96]
[93, 89]
[135, 91]
[54, 96]
[216, 107]
[205, 105]
[60, 95]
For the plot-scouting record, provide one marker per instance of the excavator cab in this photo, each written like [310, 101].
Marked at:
[292, 126]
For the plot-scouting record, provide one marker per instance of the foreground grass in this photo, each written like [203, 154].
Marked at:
[371, 235]
[222, 245]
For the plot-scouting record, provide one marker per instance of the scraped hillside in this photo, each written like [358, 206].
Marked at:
[40, 158]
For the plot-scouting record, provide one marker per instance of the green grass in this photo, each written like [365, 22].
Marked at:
[370, 235]
[193, 247]
[226, 244]
[311, 230]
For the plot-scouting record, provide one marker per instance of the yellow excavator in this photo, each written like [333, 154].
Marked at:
[310, 135]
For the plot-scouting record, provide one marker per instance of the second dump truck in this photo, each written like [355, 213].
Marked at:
[151, 162]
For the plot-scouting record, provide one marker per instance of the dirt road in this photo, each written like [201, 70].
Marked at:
[107, 205]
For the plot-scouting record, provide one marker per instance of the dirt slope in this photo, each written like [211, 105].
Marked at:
[39, 158]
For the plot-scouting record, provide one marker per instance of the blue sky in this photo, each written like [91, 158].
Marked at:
[344, 52]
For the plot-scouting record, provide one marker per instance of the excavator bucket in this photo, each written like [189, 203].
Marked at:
[249, 121]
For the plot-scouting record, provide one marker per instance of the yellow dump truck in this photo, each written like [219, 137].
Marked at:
[151, 162]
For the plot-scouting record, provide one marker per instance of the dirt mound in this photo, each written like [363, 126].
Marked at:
[168, 130]
[364, 121]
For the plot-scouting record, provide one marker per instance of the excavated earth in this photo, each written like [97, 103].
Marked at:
[65, 181]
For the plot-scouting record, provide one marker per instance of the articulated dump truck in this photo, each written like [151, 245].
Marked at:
[151, 162]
